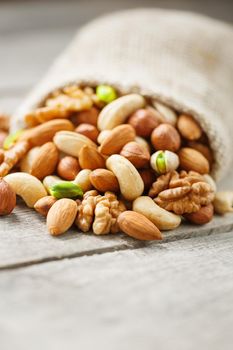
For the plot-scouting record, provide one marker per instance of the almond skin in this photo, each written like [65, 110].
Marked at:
[61, 216]
[7, 198]
[138, 226]
[144, 121]
[188, 127]
[118, 137]
[191, 159]
[68, 168]
[1, 156]
[45, 161]
[136, 154]
[104, 180]
[45, 132]
[203, 149]
[88, 130]
[166, 137]
[202, 216]
[43, 205]
[90, 158]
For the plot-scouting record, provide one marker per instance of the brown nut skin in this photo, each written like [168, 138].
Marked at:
[90, 117]
[90, 158]
[104, 180]
[88, 130]
[1, 156]
[136, 154]
[188, 127]
[190, 159]
[115, 141]
[138, 226]
[144, 122]
[68, 168]
[148, 177]
[43, 205]
[7, 198]
[166, 137]
[3, 135]
[202, 216]
[203, 149]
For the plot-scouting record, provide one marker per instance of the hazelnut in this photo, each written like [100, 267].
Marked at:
[136, 154]
[144, 121]
[7, 198]
[188, 127]
[88, 130]
[166, 137]
[89, 116]
[148, 177]
[68, 168]
[202, 216]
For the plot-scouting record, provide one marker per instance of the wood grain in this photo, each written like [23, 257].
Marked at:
[24, 239]
[169, 296]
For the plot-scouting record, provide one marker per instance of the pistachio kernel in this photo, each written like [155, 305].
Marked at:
[66, 189]
[164, 161]
[106, 93]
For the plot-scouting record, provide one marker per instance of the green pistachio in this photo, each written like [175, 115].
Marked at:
[11, 139]
[65, 189]
[164, 161]
[106, 93]
[161, 163]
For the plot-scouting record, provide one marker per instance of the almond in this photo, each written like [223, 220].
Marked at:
[144, 121]
[1, 156]
[68, 168]
[118, 137]
[7, 198]
[191, 159]
[45, 161]
[166, 137]
[104, 180]
[88, 130]
[90, 158]
[61, 216]
[43, 205]
[203, 149]
[189, 127]
[138, 226]
[45, 132]
[136, 154]
[202, 216]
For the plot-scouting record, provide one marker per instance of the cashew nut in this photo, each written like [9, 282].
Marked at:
[223, 202]
[130, 181]
[26, 186]
[162, 218]
[167, 113]
[71, 142]
[116, 112]
[83, 180]
[51, 180]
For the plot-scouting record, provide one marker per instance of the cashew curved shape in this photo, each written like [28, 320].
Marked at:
[162, 218]
[116, 112]
[26, 186]
[130, 181]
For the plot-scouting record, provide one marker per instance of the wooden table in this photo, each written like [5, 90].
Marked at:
[80, 291]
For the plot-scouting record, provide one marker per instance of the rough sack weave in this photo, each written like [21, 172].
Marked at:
[184, 60]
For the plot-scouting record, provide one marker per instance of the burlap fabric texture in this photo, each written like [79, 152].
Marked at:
[180, 58]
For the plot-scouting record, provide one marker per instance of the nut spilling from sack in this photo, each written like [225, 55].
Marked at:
[107, 163]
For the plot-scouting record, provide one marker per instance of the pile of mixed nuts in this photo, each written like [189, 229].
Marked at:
[109, 162]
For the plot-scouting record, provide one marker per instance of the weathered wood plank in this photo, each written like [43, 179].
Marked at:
[24, 239]
[172, 296]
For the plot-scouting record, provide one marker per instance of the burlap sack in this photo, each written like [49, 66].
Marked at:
[184, 60]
